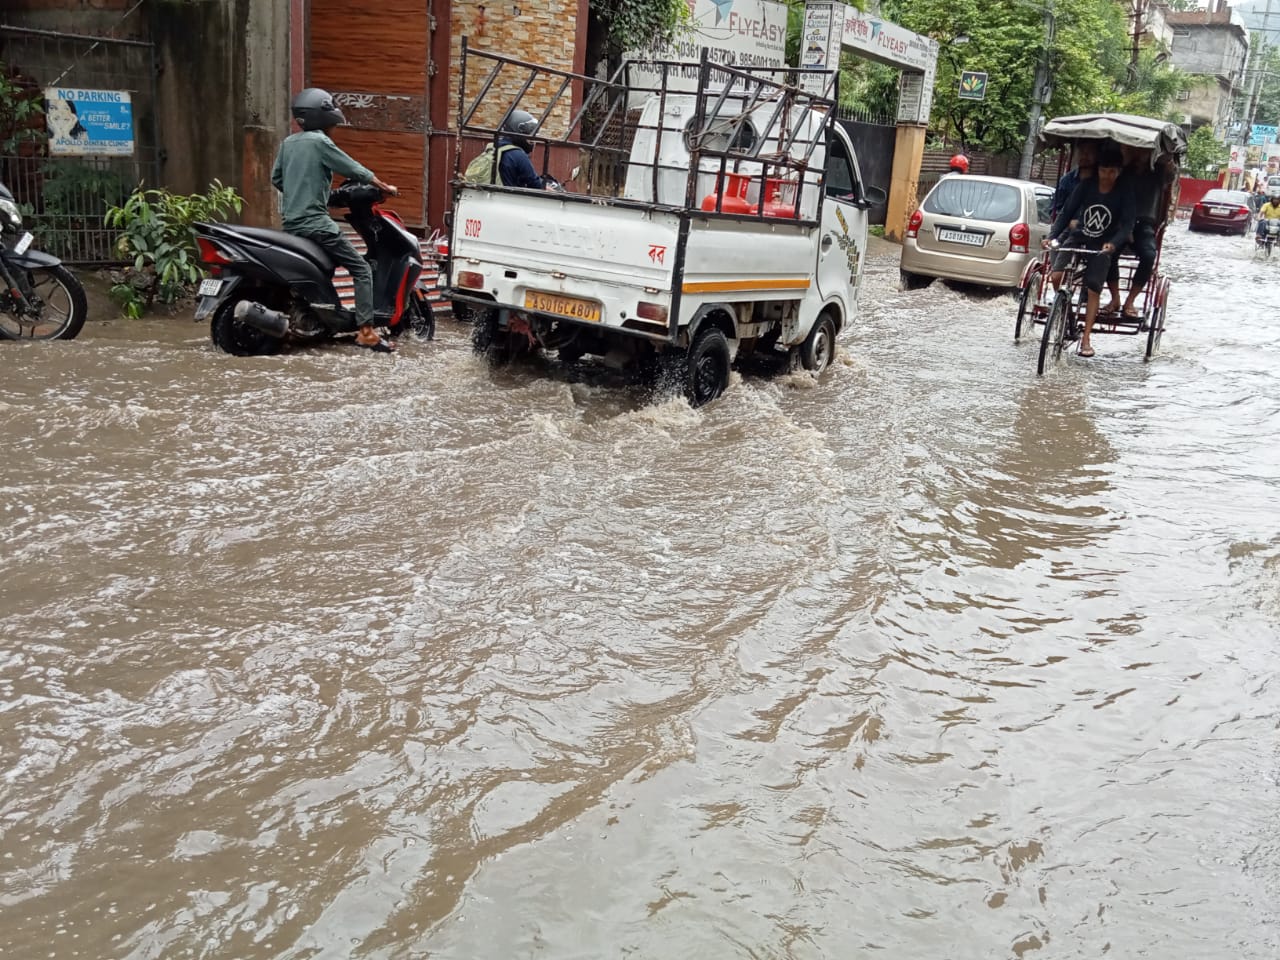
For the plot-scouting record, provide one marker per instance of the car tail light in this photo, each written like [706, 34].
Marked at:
[1198, 208]
[652, 311]
[913, 225]
[1019, 237]
[471, 280]
[211, 253]
[1243, 211]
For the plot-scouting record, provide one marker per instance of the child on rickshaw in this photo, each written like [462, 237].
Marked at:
[1098, 216]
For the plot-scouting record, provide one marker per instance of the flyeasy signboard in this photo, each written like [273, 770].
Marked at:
[740, 33]
[89, 122]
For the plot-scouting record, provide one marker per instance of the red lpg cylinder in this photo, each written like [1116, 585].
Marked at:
[780, 198]
[733, 199]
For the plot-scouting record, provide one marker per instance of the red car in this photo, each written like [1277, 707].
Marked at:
[1222, 211]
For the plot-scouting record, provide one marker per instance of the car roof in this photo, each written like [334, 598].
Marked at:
[987, 179]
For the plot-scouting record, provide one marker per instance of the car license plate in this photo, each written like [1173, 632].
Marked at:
[23, 244]
[959, 236]
[562, 306]
[1219, 211]
[210, 288]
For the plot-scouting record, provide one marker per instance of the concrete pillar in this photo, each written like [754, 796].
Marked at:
[266, 105]
[908, 153]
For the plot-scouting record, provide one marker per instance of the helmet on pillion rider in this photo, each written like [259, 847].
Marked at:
[518, 127]
[959, 163]
[314, 109]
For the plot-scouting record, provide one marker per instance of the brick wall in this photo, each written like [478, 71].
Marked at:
[542, 31]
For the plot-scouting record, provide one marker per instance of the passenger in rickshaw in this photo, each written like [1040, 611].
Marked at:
[1098, 216]
[1086, 159]
[1148, 184]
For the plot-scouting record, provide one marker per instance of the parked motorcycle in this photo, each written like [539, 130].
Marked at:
[268, 288]
[40, 299]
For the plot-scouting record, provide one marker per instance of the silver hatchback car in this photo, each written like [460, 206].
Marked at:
[976, 229]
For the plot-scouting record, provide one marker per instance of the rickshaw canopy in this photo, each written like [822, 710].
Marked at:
[1160, 136]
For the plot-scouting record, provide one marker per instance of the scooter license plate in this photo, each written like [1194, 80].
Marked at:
[23, 244]
[561, 305]
[210, 288]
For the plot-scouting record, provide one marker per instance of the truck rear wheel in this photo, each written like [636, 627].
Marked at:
[705, 373]
[487, 338]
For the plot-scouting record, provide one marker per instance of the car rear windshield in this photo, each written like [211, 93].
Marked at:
[1226, 196]
[969, 199]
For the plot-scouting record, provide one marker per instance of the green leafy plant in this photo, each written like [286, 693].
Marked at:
[1206, 154]
[21, 111]
[157, 237]
[131, 303]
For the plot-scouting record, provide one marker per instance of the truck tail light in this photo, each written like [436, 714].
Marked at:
[471, 280]
[913, 225]
[655, 312]
[1019, 237]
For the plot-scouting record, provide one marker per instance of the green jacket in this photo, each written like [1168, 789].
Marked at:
[304, 172]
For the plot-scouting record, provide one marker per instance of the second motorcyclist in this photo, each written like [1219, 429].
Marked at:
[1270, 211]
[304, 170]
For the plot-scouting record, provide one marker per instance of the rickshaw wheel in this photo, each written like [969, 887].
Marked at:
[1026, 304]
[1156, 322]
[1055, 331]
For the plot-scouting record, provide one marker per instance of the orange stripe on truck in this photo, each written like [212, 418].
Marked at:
[736, 286]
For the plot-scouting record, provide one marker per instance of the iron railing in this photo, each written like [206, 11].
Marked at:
[65, 198]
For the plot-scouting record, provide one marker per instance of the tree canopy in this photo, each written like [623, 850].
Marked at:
[1088, 60]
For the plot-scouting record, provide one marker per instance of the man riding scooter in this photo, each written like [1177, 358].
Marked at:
[1270, 211]
[304, 171]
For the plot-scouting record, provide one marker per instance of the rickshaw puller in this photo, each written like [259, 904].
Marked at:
[1100, 218]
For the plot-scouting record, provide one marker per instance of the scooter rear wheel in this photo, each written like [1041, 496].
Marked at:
[239, 339]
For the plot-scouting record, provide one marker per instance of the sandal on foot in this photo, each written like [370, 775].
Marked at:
[381, 345]
[1131, 313]
[1086, 352]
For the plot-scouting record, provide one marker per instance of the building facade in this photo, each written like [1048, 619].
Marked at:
[1213, 46]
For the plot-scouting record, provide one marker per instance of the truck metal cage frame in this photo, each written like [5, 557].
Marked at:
[746, 150]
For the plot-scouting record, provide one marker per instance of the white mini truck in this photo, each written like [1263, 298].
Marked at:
[735, 221]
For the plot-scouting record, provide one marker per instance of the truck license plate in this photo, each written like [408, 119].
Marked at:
[959, 236]
[561, 305]
[210, 288]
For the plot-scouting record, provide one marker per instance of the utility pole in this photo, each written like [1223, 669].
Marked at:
[1138, 30]
[1040, 93]
[1258, 75]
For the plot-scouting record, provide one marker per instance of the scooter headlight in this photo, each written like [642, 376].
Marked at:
[10, 216]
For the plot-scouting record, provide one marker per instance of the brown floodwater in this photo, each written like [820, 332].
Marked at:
[338, 655]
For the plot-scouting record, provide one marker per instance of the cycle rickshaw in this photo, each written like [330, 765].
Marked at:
[1061, 314]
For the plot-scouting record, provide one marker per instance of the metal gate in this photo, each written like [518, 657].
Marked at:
[65, 198]
[875, 139]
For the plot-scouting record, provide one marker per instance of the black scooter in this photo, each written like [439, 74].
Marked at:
[267, 288]
[40, 299]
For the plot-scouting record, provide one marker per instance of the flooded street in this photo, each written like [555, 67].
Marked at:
[338, 655]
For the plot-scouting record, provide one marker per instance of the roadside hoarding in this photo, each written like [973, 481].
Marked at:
[820, 46]
[741, 33]
[89, 122]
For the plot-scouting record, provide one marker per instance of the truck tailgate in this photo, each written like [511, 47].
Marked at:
[533, 240]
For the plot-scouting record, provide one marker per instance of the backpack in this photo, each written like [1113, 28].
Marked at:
[483, 168]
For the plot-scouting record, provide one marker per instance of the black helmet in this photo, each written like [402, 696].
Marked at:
[518, 126]
[519, 123]
[314, 109]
